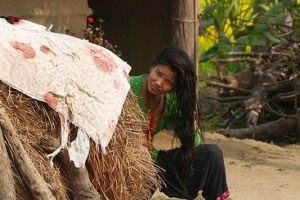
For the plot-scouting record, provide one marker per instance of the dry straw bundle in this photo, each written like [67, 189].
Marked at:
[126, 172]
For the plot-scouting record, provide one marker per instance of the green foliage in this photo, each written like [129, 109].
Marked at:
[211, 52]
[239, 29]
[206, 19]
[229, 27]
[228, 20]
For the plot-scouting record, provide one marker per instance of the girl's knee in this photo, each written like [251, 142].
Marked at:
[213, 148]
[214, 151]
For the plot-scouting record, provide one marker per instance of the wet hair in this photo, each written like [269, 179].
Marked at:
[185, 92]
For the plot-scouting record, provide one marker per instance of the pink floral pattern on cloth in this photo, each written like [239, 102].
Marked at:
[27, 50]
[224, 196]
[45, 49]
[85, 83]
[102, 60]
[51, 100]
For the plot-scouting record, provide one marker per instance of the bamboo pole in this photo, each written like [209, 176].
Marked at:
[7, 189]
[30, 175]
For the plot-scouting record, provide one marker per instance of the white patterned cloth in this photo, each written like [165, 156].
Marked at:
[87, 84]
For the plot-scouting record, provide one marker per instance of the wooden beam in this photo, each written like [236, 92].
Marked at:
[29, 173]
[184, 23]
[7, 189]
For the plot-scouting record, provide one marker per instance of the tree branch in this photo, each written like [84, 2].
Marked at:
[30, 175]
[217, 84]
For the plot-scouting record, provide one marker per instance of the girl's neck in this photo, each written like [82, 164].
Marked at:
[153, 103]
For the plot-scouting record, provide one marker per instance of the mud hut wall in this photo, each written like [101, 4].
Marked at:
[140, 28]
[66, 14]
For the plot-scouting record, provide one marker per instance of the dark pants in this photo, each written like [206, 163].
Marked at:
[208, 174]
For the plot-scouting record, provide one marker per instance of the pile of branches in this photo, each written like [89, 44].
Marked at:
[265, 95]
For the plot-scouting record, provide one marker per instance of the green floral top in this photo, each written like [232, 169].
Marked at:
[169, 114]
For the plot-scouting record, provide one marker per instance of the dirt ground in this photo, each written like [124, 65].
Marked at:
[255, 170]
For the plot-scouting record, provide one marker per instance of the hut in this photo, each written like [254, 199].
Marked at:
[140, 28]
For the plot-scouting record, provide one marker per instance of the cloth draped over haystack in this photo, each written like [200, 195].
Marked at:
[51, 83]
[87, 84]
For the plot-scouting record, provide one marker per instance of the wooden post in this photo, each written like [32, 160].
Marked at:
[7, 189]
[30, 175]
[185, 27]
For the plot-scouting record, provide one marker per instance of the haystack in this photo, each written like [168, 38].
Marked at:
[125, 172]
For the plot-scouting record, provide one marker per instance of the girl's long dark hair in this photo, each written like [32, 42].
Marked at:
[188, 109]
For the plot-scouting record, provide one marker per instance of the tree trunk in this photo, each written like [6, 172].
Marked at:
[7, 189]
[265, 131]
[30, 175]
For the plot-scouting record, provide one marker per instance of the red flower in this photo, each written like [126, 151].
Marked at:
[90, 20]
[14, 19]
[96, 40]
[11, 19]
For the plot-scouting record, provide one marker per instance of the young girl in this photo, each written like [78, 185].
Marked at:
[168, 95]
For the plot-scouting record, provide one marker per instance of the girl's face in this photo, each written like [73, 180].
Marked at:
[161, 80]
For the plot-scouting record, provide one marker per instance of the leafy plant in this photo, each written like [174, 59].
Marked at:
[222, 21]
[94, 34]
[239, 26]
[254, 25]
